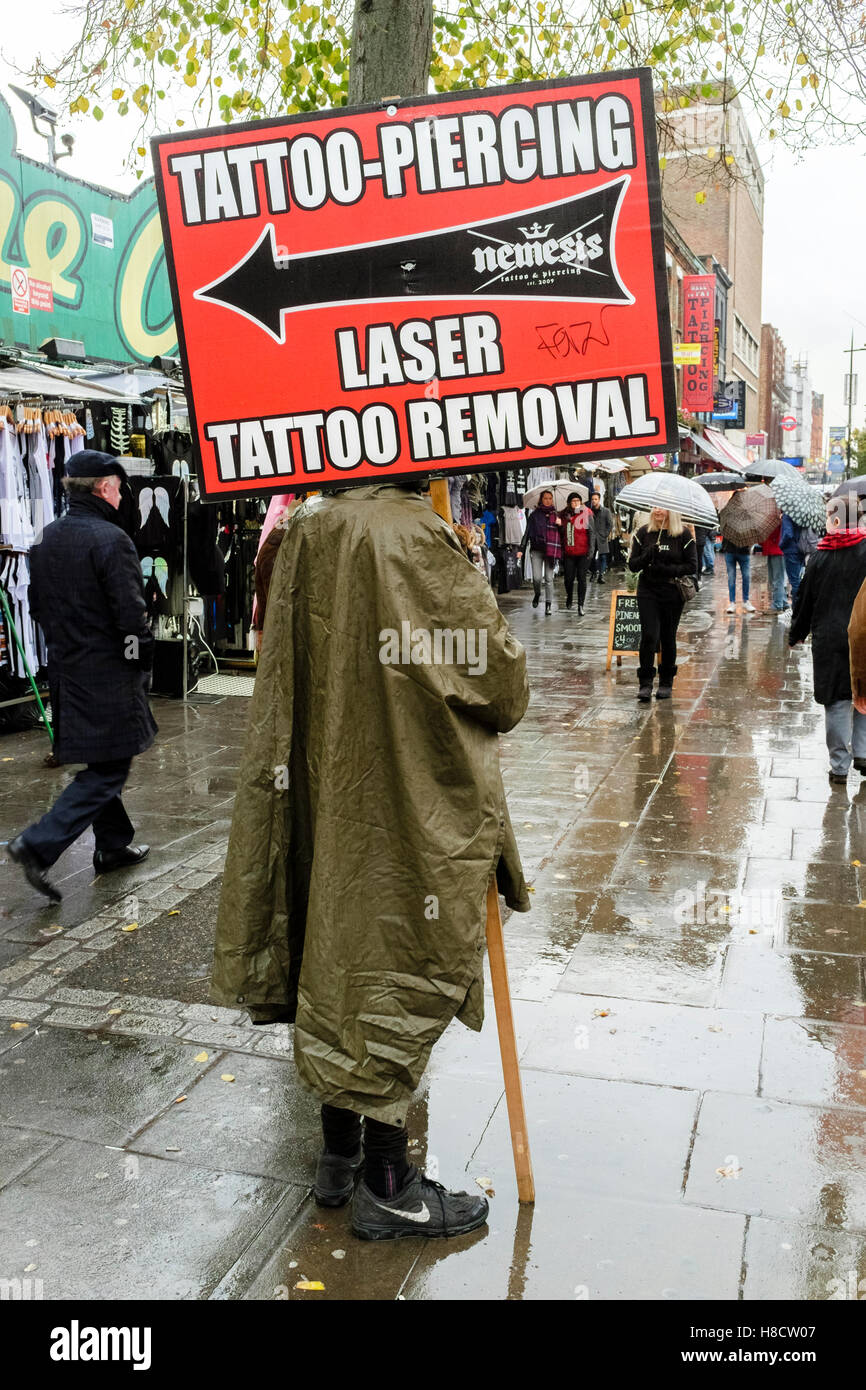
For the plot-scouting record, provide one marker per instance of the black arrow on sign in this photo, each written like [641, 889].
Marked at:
[544, 252]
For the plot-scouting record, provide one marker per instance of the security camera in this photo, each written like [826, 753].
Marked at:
[37, 108]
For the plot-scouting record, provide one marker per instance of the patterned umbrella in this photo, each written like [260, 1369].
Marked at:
[671, 491]
[750, 517]
[802, 503]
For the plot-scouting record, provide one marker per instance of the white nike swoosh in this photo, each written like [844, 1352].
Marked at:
[422, 1215]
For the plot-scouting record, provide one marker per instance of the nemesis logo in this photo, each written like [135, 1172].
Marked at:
[570, 253]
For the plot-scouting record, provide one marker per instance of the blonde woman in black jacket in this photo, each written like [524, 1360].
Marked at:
[661, 551]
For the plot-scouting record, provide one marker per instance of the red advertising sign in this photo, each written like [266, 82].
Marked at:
[431, 285]
[42, 295]
[699, 294]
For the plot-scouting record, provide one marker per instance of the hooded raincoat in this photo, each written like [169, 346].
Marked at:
[370, 813]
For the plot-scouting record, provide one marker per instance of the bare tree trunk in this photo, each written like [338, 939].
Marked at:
[391, 48]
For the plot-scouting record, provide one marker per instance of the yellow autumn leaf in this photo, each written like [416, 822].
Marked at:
[16, 1026]
[175, 912]
[179, 1099]
[130, 926]
[310, 1285]
[784, 110]
[49, 80]
[700, 197]
[115, 1011]
[200, 1057]
[226, 1076]
[117, 94]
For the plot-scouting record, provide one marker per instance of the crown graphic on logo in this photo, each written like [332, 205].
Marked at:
[535, 232]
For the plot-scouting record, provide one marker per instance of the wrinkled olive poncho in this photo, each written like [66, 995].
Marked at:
[370, 813]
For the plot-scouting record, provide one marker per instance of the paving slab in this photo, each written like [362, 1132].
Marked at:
[787, 1260]
[780, 1160]
[121, 1214]
[658, 1043]
[262, 1122]
[101, 1089]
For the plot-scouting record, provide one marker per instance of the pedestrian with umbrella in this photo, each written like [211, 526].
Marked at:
[749, 517]
[802, 509]
[664, 556]
[823, 609]
[544, 536]
[578, 539]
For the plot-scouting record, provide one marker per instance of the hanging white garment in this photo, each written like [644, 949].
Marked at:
[16, 521]
[15, 578]
[41, 484]
[515, 525]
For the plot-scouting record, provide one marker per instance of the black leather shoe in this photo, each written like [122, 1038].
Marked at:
[536, 599]
[335, 1179]
[34, 872]
[104, 860]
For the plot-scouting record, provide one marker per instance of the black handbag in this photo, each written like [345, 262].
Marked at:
[687, 587]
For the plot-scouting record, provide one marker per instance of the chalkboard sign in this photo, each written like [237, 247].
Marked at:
[624, 632]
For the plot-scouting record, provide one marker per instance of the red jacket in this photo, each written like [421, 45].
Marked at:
[771, 544]
[577, 530]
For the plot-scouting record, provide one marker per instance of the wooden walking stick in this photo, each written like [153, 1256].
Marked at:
[499, 980]
[508, 1048]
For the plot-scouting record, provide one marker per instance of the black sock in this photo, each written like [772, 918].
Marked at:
[386, 1148]
[342, 1131]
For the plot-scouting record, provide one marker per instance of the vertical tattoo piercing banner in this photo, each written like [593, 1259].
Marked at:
[428, 286]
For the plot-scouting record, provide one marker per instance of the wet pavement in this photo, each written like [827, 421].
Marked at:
[689, 1003]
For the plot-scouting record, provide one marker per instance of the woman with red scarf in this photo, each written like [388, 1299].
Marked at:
[823, 608]
[544, 533]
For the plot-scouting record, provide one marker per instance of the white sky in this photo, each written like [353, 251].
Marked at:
[815, 215]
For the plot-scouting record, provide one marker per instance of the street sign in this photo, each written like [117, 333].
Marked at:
[699, 297]
[466, 281]
[20, 286]
[687, 354]
[789, 422]
[730, 404]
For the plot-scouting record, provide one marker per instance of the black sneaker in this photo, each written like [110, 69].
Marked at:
[547, 610]
[335, 1178]
[34, 871]
[422, 1208]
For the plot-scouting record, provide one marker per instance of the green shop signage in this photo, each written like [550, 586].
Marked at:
[78, 261]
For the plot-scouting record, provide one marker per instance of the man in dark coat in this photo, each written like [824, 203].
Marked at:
[603, 519]
[86, 592]
[823, 607]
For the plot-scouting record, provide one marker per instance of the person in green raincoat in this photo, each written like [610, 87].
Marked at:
[369, 819]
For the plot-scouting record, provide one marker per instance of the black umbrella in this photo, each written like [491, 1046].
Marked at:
[721, 482]
[856, 485]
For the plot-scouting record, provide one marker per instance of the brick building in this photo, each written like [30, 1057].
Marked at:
[773, 394]
[713, 191]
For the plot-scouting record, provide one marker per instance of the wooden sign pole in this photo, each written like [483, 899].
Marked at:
[499, 980]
